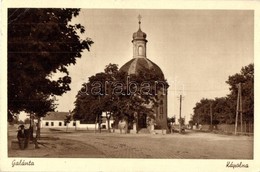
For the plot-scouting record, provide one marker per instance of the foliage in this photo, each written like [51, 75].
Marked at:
[171, 120]
[246, 78]
[201, 111]
[67, 120]
[191, 122]
[181, 121]
[112, 81]
[41, 42]
[27, 121]
[224, 108]
[15, 120]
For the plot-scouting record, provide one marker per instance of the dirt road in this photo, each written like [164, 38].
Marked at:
[192, 145]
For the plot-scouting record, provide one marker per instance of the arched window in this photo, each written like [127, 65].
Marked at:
[140, 51]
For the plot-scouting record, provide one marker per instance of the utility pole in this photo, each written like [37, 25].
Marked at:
[239, 109]
[99, 116]
[180, 119]
[180, 122]
[211, 127]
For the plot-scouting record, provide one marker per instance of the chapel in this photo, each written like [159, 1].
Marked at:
[139, 63]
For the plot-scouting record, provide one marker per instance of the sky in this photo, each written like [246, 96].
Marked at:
[196, 49]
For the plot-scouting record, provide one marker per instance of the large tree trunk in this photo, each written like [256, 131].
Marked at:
[38, 131]
[31, 128]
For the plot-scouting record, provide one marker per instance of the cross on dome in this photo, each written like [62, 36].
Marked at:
[139, 18]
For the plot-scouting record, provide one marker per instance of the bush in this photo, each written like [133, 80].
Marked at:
[157, 127]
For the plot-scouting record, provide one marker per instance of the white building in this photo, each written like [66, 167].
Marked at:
[57, 120]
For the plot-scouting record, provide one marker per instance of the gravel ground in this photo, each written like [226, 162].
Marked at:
[86, 144]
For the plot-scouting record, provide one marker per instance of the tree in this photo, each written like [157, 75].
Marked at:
[202, 111]
[27, 121]
[191, 124]
[139, 102]
[89, 106]
[224, 108]
[41, 42]
[246, 78]
[170, 122]
[67, 120]
[107, 92]
[15, 120]
[222, 111]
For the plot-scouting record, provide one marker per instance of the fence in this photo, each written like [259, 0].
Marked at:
[230, 128]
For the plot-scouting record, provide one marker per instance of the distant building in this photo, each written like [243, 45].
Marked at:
[57, 120]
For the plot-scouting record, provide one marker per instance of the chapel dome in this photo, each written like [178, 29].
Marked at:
[137, 65]
[140, 63]
[139, 35]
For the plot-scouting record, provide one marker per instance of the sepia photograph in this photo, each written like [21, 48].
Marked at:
[129, 84]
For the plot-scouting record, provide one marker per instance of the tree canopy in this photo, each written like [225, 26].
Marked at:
[114, 91]
[246, 78]
[224, 108]
[41, 42]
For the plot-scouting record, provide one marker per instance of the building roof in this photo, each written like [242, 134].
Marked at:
[56, 116]
[139, 35]
[140, 63]
[136, 65]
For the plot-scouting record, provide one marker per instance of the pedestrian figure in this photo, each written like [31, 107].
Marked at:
[23, 137]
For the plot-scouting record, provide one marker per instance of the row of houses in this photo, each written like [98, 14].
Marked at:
[57, 120]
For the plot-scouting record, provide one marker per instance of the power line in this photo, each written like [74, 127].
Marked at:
[200, 90]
